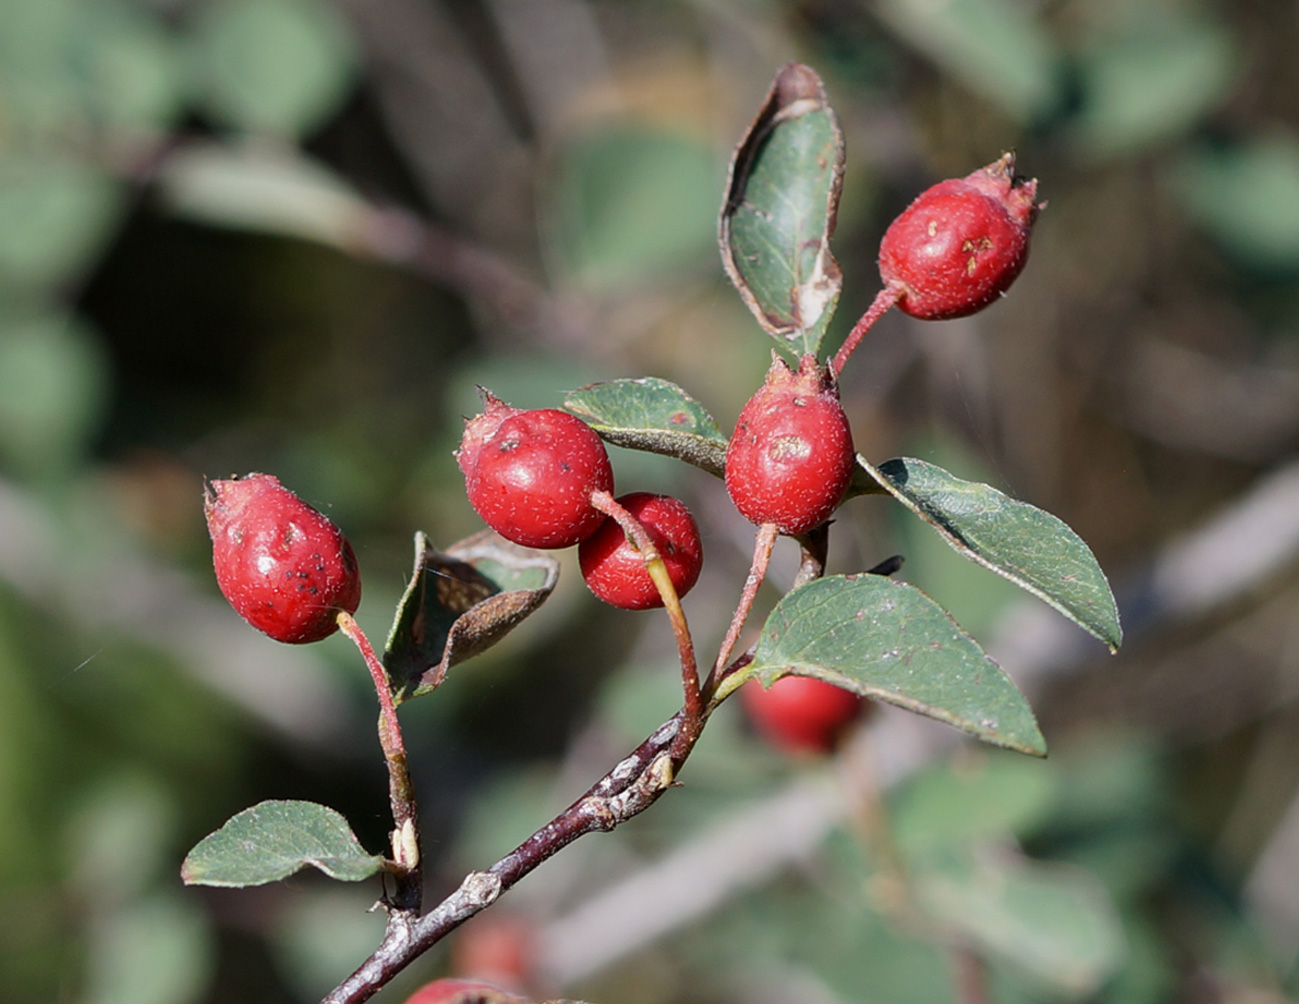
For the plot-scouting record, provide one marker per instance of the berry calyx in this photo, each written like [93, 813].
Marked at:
[800, 714]
[530, 474]
[791, 456]
[452, 991]
[961, 243]
[614, 569]
[285, 567]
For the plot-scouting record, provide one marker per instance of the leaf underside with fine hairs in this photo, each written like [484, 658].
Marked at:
[1021, 543]
[653, 415]
[274, 839]
[459, 603]
[782, 202]
[888, 641]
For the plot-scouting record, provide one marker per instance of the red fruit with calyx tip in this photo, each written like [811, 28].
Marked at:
[800, 714]
[448, 991]
[284, 567]
[614, 569]
[961, 243]
[791, 456]
[530, 474]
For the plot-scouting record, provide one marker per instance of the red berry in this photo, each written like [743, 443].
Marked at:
[530, 474]
[800, 714]
[283, 566]
[613, 567]
[961, 243]
[501, 949]
[462, 992]
[791, 457]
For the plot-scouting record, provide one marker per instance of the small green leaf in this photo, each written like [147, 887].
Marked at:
[1054, 921]
[1149, 84]
[274, 839]
[652, 415]
[277, 66]
[889, 641]
[633, 204]
[985, 799]
[459, 603]
[782, 202]
[1020, 542]
[999, 48]
[55, 215]
[1245, 195]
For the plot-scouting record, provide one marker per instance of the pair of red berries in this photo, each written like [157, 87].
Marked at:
[952, 252]
[531, 476]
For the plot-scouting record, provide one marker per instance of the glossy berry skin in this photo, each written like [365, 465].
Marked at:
[613, 568]
[285, 568]
[530, 474]
[961, 243]
[799, 714]
[791, 456]
[451, 991]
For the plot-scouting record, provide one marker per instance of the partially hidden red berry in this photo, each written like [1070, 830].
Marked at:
[452, 991]
[799, 714]
[530, 474]
[791, 456]
[614, 569]
[500, 949]
[961, 243]
[284, 567]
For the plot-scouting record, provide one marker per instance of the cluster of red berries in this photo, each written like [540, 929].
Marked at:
[534, 476]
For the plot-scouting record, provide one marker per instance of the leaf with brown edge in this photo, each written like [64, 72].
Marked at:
[459, 603]
[782, 202]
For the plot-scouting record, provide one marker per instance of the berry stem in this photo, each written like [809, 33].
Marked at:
[401, 791]
[658, 573]
[883, 302]
[763, 544]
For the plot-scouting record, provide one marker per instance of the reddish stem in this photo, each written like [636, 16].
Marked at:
[401, 792]
[884, 300]
[763, 544]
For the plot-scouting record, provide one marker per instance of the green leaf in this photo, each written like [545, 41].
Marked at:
[782, 201]
[1054, 921]
[55, 215]
[652, 415]
[1246, 196]
[275, 66]
[53, 387]
[992, 797]
[630, 205]
[889, 641]
[1020, 542]
[1147, 85]
[274, 839]
[998, 48]
[459, 603]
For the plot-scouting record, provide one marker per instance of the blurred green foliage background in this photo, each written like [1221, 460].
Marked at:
[292, 235]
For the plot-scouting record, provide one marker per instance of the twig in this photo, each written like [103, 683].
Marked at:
[628, 789]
